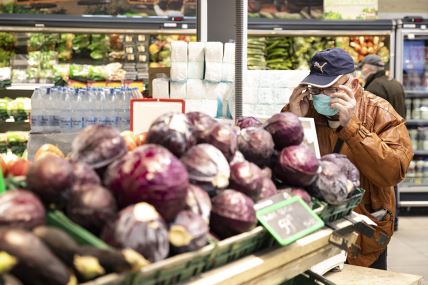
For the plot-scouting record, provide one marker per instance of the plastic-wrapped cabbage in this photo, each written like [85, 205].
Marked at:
[350, 170]
[331, 184]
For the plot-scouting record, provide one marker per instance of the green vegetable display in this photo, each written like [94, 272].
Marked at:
[256, 49]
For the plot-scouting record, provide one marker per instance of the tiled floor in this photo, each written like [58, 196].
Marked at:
[408, 249]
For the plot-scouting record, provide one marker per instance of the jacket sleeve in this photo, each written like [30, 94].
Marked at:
[383, 155]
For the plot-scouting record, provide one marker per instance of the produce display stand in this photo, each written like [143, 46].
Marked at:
[247, 258]
[279, 264]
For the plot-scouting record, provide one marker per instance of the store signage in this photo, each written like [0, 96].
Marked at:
[287, 220]
[145, 111]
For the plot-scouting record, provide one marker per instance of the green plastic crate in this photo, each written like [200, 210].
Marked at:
[330, 213]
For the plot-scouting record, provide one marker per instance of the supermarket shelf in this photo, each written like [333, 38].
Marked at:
[277, 265]
[417, 122]
[14, 126]
[416, 92]
[413, 204]
[27, 86]
[96, 24]
[421, 152]
[413, 189]
[328, 27]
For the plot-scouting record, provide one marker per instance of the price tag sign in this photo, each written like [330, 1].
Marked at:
[289, 220]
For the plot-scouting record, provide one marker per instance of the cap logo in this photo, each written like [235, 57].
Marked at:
[319, 66]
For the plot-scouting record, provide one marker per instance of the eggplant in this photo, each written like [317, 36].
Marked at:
[9, 280]
[74, 255]
[37, 265]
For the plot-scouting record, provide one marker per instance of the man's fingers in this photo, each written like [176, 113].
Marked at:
[339, 107]
[339, 101]
[347, 90]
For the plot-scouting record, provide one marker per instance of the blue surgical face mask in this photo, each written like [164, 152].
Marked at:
[322, 105]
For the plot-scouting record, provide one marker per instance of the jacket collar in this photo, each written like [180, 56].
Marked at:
[373, 76]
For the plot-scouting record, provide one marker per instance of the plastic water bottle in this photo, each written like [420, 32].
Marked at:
[55, 103]
[48, 114]
[88, 108]
[101, 108]
[76, 110]
[111, 107]
[36, 110]
[65, 109]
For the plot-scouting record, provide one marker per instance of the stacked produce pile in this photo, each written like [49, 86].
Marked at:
[256, 53]
[17, 109]
[7, 48]
[14, 143]
[291, 53]
[190, 179]
[360, 46]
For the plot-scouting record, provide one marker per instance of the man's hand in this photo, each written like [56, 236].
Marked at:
[299, 101]
[344, 102]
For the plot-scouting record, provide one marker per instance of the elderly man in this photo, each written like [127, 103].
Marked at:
[373, 72]
[364, 127]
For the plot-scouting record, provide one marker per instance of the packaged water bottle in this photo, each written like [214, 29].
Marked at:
[76, 111]
[65, 117]
[101, 108]
[55, 103]
[48, 116]
[88, 108]
[36, 110]
[110, 106]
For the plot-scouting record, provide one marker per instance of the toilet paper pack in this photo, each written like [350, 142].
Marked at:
[178, 90]
[160, 88]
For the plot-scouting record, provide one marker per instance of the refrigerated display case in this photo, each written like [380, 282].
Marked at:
[412, 71]
[280, 44]
[83, 51]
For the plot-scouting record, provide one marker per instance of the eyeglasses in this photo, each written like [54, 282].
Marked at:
[329, 90]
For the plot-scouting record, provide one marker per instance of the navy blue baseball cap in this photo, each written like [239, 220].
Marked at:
[328, 66]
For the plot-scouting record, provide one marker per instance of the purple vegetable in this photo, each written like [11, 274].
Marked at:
[286, 130]
[246, 177]
[238, 157]
[83, 174]
[300, 193]
[51, 178]
[224, 136]
[98, 146]
[173, 131]
[140, 228]
[91, 206]
[151, 174]
[22, 209]
[247, 122]
[350, 170]
[267, 172]
[256, 145]
[36, 264]
[297, 166]
[331, 184]
[268, 189]
[202, 124]
[198, 201]
[233, 213]
[207, 167]
[188, 232]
